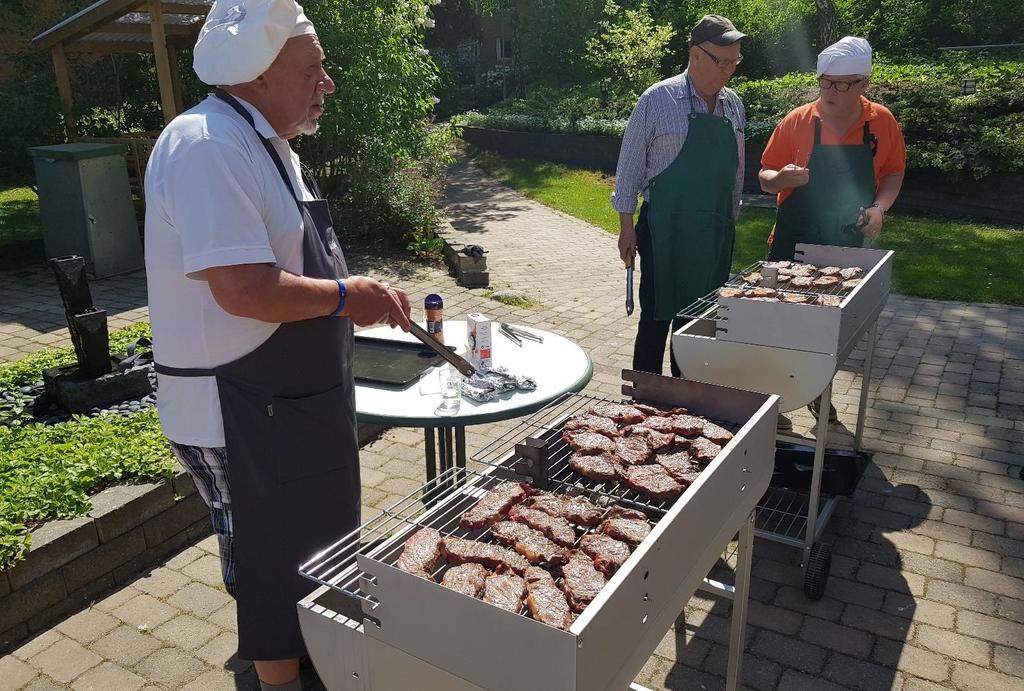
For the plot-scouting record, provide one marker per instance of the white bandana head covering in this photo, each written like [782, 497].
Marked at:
[848, 55]
[240, 38]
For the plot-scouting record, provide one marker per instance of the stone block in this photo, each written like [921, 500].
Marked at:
[53, 544]
[104, 559]
[170, 668]
[474, 279]
[14, 673]
[116, 510]
[108, 676]
[23, 604]
[78, 393]
[182, 483]
[169, 523]
[5, 584]
[125, 645]
[65, 660]
[11, 637]
[74, 601]
[129, 571]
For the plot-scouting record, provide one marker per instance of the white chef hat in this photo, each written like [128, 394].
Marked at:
[848, 55]
[240, 38]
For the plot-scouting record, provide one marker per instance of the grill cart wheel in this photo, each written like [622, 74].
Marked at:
[816, 574]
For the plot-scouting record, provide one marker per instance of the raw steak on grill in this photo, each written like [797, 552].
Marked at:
[467, 579]
[528, 542]
[545, 600]
[650, 410]
[659, 441]
[588, 442]
[459, 551]
[704, 450]
[420, 553]
[556, 529]
[680, 465]
[505, 590]
[619, 412]
[657, 423]
[602, 468]
[716, 433]
[607, 552]
[688, 425]
[494, 505]
[593, 423]
[576, 510]
[628, 530]
[652, 480]
[852, 272]
[581, 581]
[633, 450]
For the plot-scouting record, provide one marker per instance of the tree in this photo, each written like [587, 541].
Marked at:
[628, 48]
[828, 31]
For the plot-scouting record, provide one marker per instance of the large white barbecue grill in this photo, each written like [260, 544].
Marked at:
[795, 351]
[373, 626]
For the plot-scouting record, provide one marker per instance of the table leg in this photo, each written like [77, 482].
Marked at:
[431, 453]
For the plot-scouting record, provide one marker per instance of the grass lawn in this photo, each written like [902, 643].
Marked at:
[19, 215]
[945, 260]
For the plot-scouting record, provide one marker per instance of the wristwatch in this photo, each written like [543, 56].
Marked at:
[881, 208]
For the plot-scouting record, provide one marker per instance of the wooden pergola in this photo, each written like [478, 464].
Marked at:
[126, 26]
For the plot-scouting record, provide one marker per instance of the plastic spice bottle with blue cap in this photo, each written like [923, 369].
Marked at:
[433, 305]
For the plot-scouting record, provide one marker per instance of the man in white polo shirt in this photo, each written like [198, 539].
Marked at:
[252, 309]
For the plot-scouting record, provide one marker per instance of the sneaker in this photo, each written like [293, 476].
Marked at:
[833, 416]
[785, 424]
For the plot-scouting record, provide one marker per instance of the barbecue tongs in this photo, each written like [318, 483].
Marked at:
[516, 335]
[629, 287]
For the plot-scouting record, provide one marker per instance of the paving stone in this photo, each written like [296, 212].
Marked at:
[757, 673]
[220, 649]
[970, 678]
[44, 684]
[796, 600]
[1009, 660]
[145, 611]
[954, 645]
[206, 569]
[797, 681]
[38, 644]
[876, 622]
[199, 599]
[186, 556]
[107, 677]
[170, 668]
[858, 674]
[125, 645]
[212, 680]
[994, 582]
[969, 556]
[989, 628]
[14, 673]
[912, 542]
[116, 599]
[837, 637]
[161, 582]
[186, 632]
[65, 660]
[932, 567]
[88, 625]
[802, 656]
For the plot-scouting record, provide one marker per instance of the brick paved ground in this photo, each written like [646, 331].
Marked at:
[927, 586]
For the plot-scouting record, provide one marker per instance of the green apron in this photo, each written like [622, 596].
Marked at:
[826, 209]
[690, 214]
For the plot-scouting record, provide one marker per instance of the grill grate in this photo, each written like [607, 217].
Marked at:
[784, 512]
[705, 308]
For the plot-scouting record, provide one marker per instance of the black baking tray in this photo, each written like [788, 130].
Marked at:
[391, 363]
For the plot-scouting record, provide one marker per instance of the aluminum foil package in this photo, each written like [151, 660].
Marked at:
[487, 384]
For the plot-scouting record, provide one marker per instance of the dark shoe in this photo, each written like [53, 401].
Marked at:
[785, 424]
[833, 416]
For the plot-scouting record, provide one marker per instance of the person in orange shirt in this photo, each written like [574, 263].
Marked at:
[837, 163]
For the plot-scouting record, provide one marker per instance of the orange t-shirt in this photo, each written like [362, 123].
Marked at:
[793, 139]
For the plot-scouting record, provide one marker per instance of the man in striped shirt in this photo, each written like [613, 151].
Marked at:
[683, 152]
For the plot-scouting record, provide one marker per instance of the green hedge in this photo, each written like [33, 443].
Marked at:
[978, 134]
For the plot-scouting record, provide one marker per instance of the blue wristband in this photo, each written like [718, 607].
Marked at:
[342, 294]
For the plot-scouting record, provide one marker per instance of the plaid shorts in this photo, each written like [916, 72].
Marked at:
[209, 470]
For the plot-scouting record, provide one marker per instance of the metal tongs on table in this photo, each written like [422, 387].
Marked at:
[516, 335]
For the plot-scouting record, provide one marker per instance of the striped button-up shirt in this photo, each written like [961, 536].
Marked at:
[656, 133]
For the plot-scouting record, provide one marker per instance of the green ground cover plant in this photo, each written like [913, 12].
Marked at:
[49, 472]
[19, 215]
[934, 259]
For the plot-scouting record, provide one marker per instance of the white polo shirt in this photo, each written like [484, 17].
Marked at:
[213, 198]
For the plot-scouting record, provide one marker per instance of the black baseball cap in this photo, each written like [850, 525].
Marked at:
[716, 29]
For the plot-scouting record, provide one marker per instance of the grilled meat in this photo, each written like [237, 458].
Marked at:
[825, 281]
[420, 553]
[728, 292]
[458, 551]
[652, 480]
[593, 423]
[703, 449]
[545, 601]
[619, 412]
[717, 434]
[760, 293]
[659, 441]
[801, 281]
[634, 450]
[688, 425]
[602, 468]
[528, 542]
[680, 465]
[576, 510]
[851, 283]
[777, 265]
[494, 505]
[607, 553]
[629, 530]
[753, 278]
[505, 590]
[588, 442]
[619, 511]
[799, 269]
[852, 272]
[556, 529]
[830, 271]
[657, 423]
[657, 411]
[581, 581]
[467, 579]
[798, 298]
[830, 300]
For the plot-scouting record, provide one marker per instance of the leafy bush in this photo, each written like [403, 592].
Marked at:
[628, 48]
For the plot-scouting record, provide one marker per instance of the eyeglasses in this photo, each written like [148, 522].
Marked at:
[721, 63]
[841, 87]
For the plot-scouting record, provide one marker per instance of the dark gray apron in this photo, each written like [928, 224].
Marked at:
[290, 431]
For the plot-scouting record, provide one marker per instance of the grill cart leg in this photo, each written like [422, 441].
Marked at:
[430, 445]
[738, 625]
[865, 383]
[814, 497]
